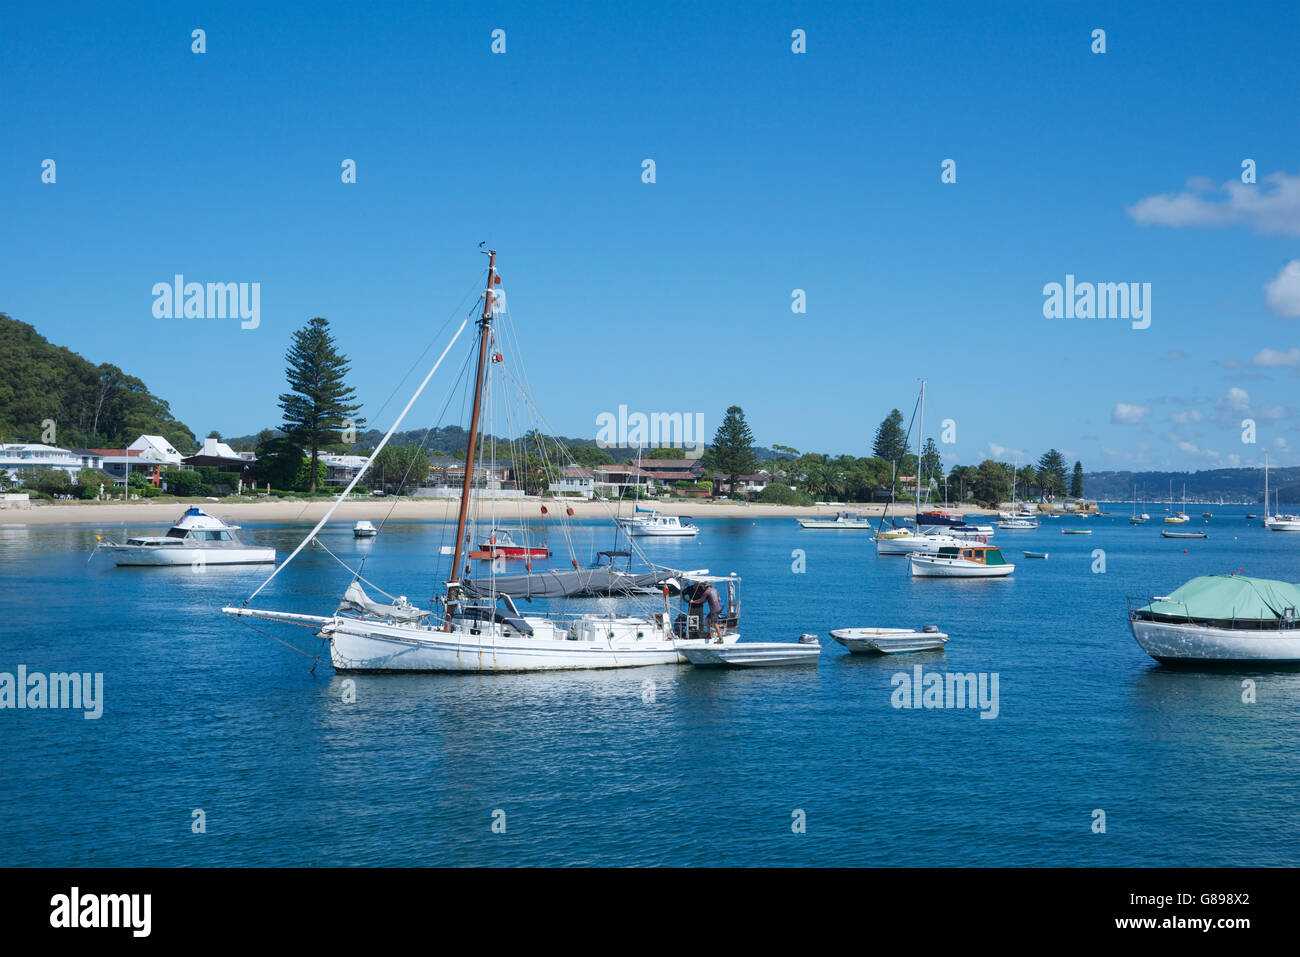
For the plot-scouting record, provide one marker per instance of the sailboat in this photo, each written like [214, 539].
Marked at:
[1014, 520]
[485, 630]
[1134, 519]
[1277, 521]
[902, 542]
[1178, 518]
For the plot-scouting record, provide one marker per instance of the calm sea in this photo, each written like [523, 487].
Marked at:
[661, 766]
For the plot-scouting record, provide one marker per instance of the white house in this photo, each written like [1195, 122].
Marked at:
[574, 479]
[342, 469]
[155, 448]
[17, 457]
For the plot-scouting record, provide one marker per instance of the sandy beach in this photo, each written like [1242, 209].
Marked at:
[402, 509]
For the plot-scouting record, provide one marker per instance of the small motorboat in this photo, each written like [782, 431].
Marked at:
[196, 539]
[1076, 531]
[1184, 535]
[974, 561]
[841, 520]
[501, 544]
[1207, 515]
[1035, 554]
[751, 654]
[364, 529]
[890, 641]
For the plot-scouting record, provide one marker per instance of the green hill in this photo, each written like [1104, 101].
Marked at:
[92, 406]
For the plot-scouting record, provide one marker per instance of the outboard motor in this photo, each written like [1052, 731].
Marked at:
[930, 629]
[808, 639]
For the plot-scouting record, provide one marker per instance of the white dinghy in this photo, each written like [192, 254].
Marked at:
[752, 654]
[890, 641]
[364, 529]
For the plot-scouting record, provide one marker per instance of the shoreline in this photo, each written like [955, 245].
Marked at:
[407, 509]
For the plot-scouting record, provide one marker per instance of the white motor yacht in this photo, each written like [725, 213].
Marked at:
[197, 539]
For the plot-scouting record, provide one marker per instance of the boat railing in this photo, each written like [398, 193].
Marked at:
[1284, 622]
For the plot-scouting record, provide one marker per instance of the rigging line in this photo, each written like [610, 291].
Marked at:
[437, 337]
[441, 411]
[306, 654]
[362, 471]
[434, 339]
[356, 573]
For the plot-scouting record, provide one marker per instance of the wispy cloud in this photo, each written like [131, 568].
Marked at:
[1271, 206]
[1125, 414]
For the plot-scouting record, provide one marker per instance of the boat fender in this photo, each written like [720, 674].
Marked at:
[570, 511]
[574, 561]
[543, 509]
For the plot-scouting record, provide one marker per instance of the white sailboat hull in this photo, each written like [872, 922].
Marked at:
[1167, 641]
[650, 531]
[918, 544]
[357, 646]
[831, 523]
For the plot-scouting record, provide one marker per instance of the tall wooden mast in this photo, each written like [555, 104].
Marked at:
[484, 335]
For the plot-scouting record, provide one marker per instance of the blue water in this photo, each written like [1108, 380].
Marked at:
[202, 712]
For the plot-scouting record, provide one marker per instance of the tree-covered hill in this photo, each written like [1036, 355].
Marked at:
[92, 406]
[1209, 485]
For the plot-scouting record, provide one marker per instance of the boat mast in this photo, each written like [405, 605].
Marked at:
[920, 434]
[485, 329]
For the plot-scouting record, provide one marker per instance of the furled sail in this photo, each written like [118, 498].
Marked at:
[355, 599]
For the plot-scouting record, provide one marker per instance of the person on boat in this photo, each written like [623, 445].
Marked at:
[693, 595]
[713, 622]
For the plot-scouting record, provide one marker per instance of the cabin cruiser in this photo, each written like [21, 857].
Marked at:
[951, 524]
[196, 539]
[657, 525]
[364, 529]
[968, 561]
[910, 542]
[1220, 618]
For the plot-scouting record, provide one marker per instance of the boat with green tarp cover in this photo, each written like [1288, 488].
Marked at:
[1221, 618]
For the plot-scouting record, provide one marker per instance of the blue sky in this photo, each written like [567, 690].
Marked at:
[775, 172]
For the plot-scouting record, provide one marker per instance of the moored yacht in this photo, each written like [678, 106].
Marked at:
[841, 520]
[197, 538]
[485, 630]
[1220, 618]
[968, 561]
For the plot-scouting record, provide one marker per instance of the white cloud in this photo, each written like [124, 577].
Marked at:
[1282, 292]
[1186, 418]
[1272, 358]
[1271, 206]
[1236, 402]
[1125, 414]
